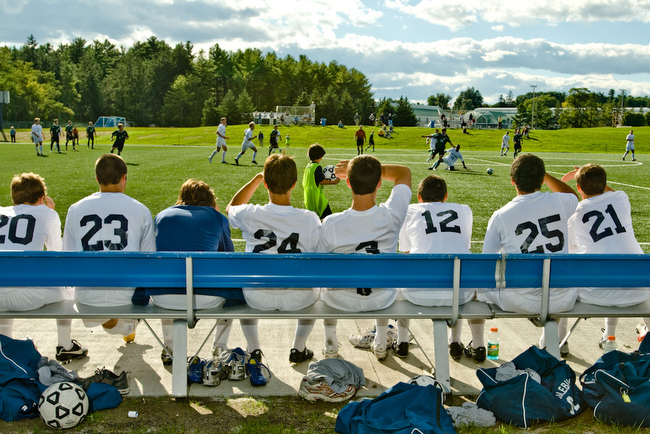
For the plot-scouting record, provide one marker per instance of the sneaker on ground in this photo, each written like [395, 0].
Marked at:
[380, 351]
[401, 349]
[366, 339]
[235, 360]
[478, 354]
[298, 357]
[321, 391]
[76, 352]
[167, 358]
[331, 351]
[257, 355]
[103, 375]
[456, 350]
[255, 373]
[210, 159]
[213, 372]
[254, 162]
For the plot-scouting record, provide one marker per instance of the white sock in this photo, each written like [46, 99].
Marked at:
[610, 327]
[221, 334]
[477, 327]
[168, 332]
[382, 331]
[249, 327]
[303, 329]
[223, 155]
[6, 327]
[254, 155]
[213, 154]
[403, 330]
[64, 331]
[330, 333]
[455, 332]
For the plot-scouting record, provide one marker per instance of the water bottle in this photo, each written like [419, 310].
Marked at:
[493, 344]
[610, 345]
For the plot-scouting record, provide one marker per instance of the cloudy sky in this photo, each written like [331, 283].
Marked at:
[414, 48]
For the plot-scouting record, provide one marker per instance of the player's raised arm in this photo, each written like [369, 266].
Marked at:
[246, 192]
[396, 173]
[557, 186]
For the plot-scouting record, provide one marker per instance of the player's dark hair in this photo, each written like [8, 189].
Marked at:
[280, 173]
[196, 193]
[316, 152]
[364, 173]
[109, 169]
[433, 188]
[27, 188]
[527, 172]
[592, 179]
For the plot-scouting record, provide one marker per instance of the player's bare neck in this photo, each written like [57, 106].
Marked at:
[280, 199]
[363, 202]
[111, 188]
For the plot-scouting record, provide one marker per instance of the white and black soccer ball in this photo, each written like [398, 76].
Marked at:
[63, 405]
[490, 171]
[328, 173]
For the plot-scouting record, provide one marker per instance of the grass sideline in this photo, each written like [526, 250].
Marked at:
[157, 168]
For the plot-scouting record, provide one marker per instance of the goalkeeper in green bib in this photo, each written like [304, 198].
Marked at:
[313, 181]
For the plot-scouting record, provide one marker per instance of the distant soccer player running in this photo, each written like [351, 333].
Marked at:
[119, 136]
[248, 143]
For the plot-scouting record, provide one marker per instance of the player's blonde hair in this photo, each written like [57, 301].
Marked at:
[109, 169]
[592, 179]
[280, 173]
[433, 188]
[527, 172]
[364, 173]
[27, 188]
[196, 193]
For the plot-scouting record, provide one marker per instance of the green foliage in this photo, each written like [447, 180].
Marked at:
[544, 117]
[439, 99]
[229, 108]
[634, 119]
[404, 115]
[468, 99]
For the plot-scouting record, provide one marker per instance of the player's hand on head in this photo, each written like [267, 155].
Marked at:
[47, 200]
[571, 175]
[341, 169]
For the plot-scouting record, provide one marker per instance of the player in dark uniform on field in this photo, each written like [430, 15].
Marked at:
[90, 134]
[119, 136]
[273, 141]
[518, 137]
[69, 137]
[440, 140]
[55, 133]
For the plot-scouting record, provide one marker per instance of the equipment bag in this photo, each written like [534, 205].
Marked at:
[617, 386]
[402, 409]
[522, 401]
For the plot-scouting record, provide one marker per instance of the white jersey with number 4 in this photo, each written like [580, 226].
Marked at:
[29, 228]
[603, 224]
[530, 223]
[108, 221]
[275, 229]
[373, 231]
[436, 227]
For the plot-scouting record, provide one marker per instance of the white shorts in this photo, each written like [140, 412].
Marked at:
[36, 139]
[280, 299]
[103, 296]
[434, 296]
[629, 147]
[619, 297]
[528, 300]
[22, 299]
[220, 143]
[179, 302]
[247, 145]
[449, 162]
[348, 300]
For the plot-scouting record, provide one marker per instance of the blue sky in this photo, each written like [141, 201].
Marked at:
[413, 48]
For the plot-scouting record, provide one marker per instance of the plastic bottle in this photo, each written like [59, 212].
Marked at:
[610, 345]
[493, 344]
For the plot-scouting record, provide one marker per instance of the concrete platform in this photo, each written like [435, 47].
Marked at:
[148, 377]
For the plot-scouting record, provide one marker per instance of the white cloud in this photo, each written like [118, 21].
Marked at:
[498, 28]
[458, 15]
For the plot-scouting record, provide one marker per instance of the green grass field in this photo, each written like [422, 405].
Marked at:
[161, 159]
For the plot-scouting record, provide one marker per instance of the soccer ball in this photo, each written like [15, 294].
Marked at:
[63, 405]
[328, 173]
[490, 171]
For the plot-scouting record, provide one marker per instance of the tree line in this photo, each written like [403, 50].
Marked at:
[155, 83]
[578, 108]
